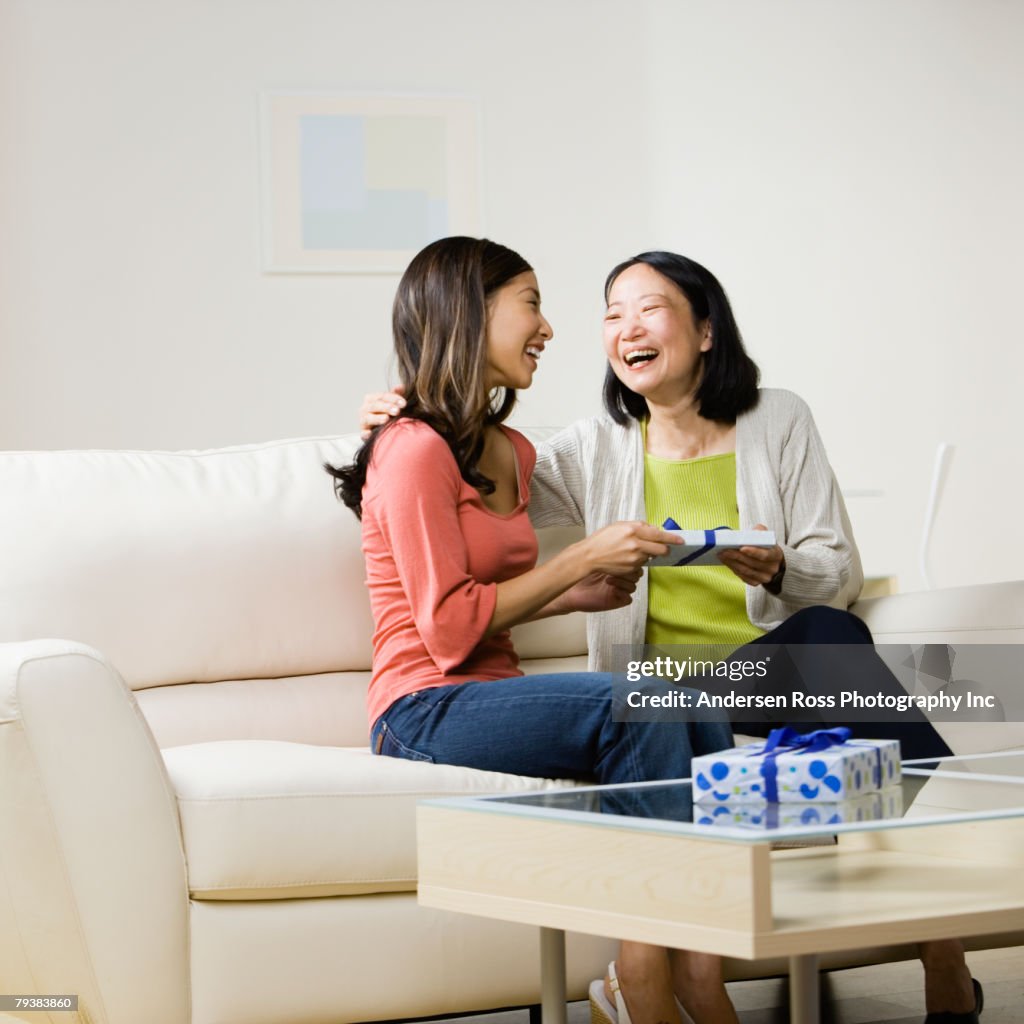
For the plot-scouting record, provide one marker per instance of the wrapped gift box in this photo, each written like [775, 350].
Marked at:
[790, 767]
[887, 803]
[701, 547]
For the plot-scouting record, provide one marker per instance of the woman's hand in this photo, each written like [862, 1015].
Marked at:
[621, 548]
[378, 407]
[757, 567]
[600, 592]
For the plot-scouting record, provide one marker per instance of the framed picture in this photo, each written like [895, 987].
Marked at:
[358, 184]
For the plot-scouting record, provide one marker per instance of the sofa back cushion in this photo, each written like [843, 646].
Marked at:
[229, 564]
[186, 566]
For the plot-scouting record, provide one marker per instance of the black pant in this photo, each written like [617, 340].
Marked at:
[822, 627]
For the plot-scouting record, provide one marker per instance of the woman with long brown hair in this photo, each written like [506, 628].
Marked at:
[442, 492]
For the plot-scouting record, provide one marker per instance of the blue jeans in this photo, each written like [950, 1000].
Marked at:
[556, 726]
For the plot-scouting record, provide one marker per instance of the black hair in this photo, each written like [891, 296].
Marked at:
[728, 384]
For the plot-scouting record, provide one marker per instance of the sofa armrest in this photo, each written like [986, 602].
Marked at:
[986, 613]
[989, 613]
[96, 900]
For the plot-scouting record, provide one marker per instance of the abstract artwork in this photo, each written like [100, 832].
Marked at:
[358, 184]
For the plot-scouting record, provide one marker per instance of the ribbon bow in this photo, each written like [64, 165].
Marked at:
[806, 742]
[709, 541]
[787, 740]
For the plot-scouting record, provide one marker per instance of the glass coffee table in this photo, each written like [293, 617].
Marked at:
[940, 856]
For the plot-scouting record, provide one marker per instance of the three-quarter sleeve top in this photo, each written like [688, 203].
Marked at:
[434, 555]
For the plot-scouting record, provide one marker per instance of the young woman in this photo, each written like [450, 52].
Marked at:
[443, 493]
[689, 434]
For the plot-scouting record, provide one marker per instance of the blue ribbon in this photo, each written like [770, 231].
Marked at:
[709, 540]
[788, 740]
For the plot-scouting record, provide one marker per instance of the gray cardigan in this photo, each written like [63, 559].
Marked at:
[592, 474]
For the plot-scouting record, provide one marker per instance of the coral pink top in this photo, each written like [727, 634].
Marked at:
[434, 556]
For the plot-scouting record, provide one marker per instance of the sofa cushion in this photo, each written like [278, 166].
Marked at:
[185, 567]
[272, 820]
[327, 709]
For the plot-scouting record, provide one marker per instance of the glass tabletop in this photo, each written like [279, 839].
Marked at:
[938, 791]
[1004, 764]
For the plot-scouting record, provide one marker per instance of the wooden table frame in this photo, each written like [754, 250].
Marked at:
[738, 899]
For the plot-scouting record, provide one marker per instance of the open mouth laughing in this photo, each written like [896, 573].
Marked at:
[639, 357]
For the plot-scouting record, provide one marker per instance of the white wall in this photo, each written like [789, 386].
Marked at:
[852, 171]
[133, 309]
[849, 168]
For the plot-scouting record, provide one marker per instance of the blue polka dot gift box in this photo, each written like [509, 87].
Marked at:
[791, 767]
[887, 803]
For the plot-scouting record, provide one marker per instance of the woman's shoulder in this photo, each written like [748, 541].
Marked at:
[517, 437]
[411, 442]
[525, 451]
[777, 404]
[600, 430]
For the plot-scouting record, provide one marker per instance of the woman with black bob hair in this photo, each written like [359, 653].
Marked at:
[729, 377]
[688, 435]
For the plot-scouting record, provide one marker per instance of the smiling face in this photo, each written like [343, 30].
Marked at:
[651, 339]
[516, 333]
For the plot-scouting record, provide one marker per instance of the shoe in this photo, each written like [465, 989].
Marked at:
[602, 1011]
[971, 1017]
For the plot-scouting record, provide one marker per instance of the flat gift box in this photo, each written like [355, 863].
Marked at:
[792, 768]
[701, 547]
[886, 803]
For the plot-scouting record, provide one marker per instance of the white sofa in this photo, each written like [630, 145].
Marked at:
[192, 829]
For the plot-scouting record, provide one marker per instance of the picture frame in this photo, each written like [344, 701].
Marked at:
[358, 184]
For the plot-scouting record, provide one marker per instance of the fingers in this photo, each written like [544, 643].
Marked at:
[384, 403]
[755, 566]
[624, 584]
[620, 549]
[651, 540]
[378, 407]
[751, 566]
[655, 533]
[765, 556]
[368, 421]
[742, 571]
[393, 401]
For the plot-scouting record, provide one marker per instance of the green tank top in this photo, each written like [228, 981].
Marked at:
[704, 604]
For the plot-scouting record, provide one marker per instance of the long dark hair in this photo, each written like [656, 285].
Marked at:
[728, 384]
[439, 322]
